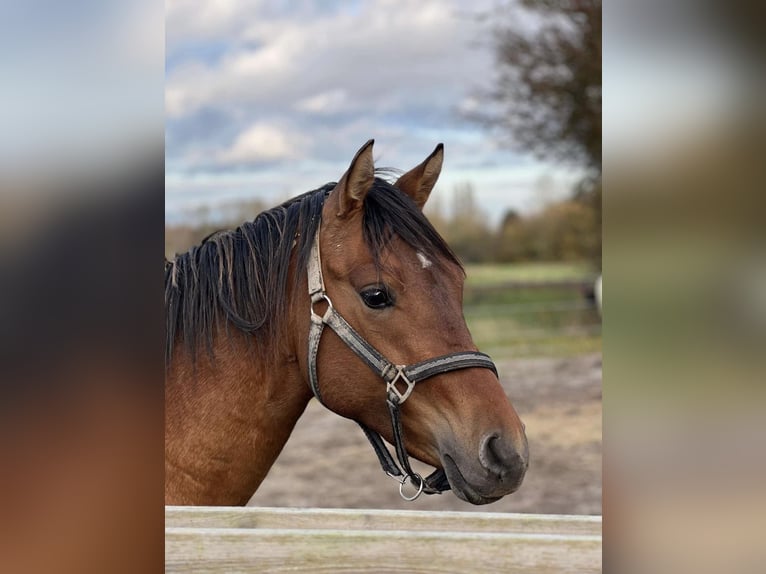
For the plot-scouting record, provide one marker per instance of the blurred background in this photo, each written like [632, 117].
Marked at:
[89, 92]
[81, 231]
[267, 100]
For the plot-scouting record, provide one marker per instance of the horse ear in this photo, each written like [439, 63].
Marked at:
[356, 182]
[420, 180]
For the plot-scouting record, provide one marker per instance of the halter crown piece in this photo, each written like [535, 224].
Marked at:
[400, 380]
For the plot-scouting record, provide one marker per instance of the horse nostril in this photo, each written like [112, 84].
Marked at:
[500, 457]
[488, 456]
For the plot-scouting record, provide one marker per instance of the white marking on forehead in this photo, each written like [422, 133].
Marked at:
[425, 262]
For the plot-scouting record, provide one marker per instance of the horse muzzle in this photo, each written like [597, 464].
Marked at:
[496, 470]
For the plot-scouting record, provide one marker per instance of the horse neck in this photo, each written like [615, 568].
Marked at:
[228, 419]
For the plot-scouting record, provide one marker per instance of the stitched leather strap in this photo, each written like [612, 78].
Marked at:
[386, 462]
[315, 334]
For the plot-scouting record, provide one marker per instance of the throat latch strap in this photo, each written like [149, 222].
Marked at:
[400, 379]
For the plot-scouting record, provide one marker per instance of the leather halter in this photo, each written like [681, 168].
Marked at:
[400, 379]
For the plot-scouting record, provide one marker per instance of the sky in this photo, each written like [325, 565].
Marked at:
[268, 99]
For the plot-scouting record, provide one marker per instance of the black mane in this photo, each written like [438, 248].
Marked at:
[241, 275]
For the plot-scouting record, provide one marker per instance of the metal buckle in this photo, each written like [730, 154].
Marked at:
[316, 298]
[391, 386]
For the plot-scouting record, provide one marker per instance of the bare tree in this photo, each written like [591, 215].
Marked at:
[546, 98]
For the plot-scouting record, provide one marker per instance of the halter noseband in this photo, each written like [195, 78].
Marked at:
[400, 379]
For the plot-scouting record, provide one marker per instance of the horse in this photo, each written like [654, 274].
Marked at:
[247, 348]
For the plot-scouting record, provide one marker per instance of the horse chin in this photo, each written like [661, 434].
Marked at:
[460, 486]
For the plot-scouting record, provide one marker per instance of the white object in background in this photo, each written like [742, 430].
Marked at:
[597, 293]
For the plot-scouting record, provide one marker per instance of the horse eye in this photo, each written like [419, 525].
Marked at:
[376, 298]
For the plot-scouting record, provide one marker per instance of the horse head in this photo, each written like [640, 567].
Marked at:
[397, 284]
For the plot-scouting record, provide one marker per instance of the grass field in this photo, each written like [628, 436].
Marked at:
[553, 320]
[493, 274]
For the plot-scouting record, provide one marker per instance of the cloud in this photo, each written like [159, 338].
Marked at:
[384, 58]
[253, 84]
[330, 102]
[262, 143]
[201, 19]
[337, 77]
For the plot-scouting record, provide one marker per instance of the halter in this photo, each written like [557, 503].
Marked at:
[400, 380]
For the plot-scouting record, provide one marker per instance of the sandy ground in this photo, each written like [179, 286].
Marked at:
[558, 399]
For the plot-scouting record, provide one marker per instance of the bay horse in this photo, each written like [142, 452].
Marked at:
[246, 345]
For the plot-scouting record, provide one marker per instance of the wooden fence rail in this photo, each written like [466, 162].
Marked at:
[206, 539]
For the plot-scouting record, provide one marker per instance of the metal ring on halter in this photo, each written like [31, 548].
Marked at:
[314, 300]
[420, 487]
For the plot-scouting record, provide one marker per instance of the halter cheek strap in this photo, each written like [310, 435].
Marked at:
[400, 379]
